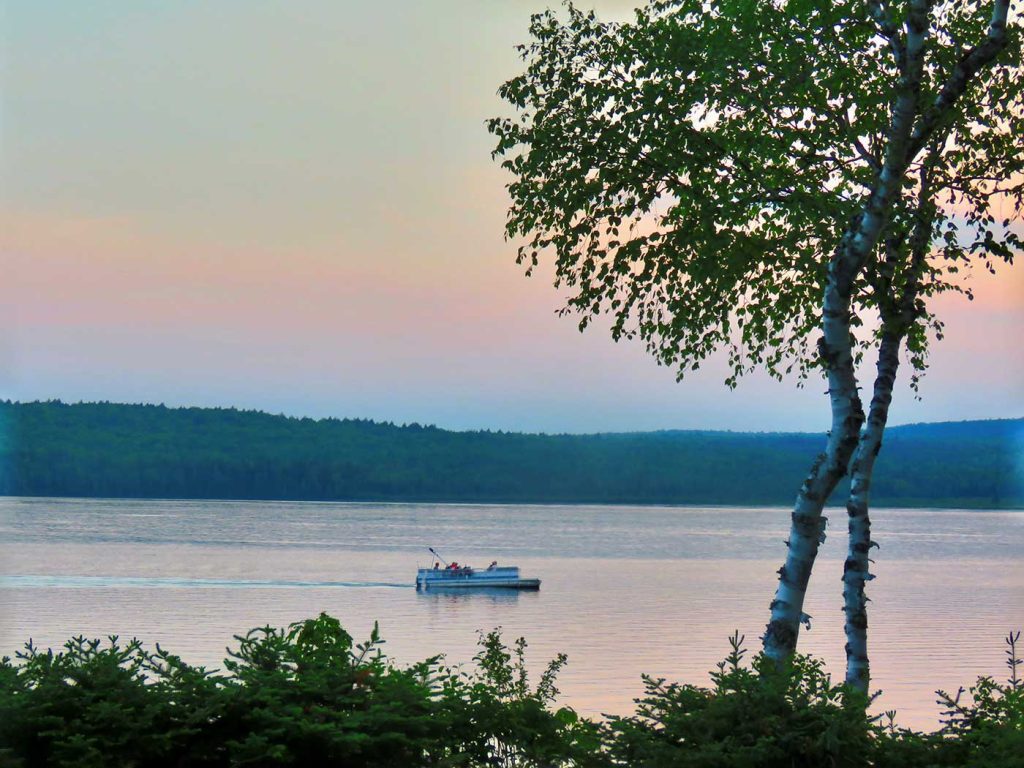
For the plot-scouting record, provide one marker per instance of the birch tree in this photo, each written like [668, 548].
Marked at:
[789, 182]
[961, 197]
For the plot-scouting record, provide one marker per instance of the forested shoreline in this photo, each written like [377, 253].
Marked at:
[151, 451]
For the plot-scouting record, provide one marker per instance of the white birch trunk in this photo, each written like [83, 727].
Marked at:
[904, 141]
[898, 309]
[856, 570]
[807, 529]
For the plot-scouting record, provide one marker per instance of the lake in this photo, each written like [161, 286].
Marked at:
[626, 590]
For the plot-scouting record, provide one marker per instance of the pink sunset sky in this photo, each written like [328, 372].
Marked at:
[291, 207]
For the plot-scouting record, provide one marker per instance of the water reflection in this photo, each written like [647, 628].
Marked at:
[457, 595]
[128, 581]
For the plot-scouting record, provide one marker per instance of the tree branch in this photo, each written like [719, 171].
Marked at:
[860, 240]
[969, 65]
[888, 28]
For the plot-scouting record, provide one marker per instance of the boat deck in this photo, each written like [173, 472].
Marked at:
[463, 578]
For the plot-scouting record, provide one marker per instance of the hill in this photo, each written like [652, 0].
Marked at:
[150, 451]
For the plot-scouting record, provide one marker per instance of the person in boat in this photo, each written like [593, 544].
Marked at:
[437, 565]
[493, 565]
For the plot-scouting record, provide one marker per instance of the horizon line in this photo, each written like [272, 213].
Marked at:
[406, 425]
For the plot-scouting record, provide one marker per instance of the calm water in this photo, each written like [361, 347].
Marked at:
[626, 590]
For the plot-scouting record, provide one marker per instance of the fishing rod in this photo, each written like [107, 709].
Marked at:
[434, 553]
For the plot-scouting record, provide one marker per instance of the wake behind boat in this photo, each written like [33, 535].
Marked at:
[444, 575]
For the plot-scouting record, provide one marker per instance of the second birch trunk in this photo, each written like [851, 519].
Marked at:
[856, 571]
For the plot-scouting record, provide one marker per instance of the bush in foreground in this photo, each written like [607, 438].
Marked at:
[308, 695]
[311, 695]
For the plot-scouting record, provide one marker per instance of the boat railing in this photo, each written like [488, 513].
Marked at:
[454, 573]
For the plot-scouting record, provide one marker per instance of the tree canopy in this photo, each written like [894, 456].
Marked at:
[743, 174]
[691, 172]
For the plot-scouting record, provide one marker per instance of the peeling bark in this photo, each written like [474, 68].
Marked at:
[856, 568]
[910, 130]
[807, 529]
[898, 307]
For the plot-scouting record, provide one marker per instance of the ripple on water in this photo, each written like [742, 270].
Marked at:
[626, 590]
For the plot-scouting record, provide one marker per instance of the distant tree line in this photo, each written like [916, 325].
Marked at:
[151, 451]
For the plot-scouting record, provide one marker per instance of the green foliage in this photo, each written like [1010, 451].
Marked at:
[310, 695]
[766, 717]
[692, 172]
[110, 450]
[761, 716]
[987, 729]
[306, 695]
[88, 705]
[300, 696]
[501, 721]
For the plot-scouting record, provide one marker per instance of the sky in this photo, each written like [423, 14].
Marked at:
[291, 206]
